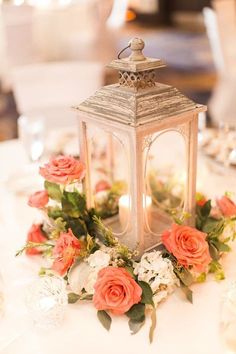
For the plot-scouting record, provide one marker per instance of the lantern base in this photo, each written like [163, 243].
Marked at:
[157, 222]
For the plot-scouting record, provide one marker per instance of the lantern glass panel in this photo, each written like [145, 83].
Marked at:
[165, 177]
[109, 177]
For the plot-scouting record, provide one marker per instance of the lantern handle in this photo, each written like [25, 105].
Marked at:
[122, 51]
[136, 45]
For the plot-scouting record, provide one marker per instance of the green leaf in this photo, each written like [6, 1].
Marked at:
[73, 298]
[222, 247]
[55, 213]
[153, 325]
[147, 294]
[203, 213]
[137, 312]
[105, 319]
[53, 190]
[105, 234]
[130, 270]
[135, 326]
[92, 246]
[214, 253]
[184, 275]
[73, 204]
[206, 209]
[213, 228]
[188, 292]
[77, 226]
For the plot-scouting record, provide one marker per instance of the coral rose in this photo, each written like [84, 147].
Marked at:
[226, 206]
[35, 234]
[188, 245]
[38, 199]
[63, 170]
[116, 290]
[67, 248]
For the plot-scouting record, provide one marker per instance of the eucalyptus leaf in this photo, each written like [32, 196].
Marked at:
[105, 319]
[222, 247]
[130, 270]
[135, 326]
[206, 209]
[147, 294]
[73, 298]
[184, 275]
[214, 253]
[153, 325]
[137, 312]
[213, 228]
[188, 292]
[53, 190]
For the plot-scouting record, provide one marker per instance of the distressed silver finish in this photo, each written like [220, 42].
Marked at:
[137, 108]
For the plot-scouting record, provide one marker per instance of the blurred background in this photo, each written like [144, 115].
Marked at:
[53, 53]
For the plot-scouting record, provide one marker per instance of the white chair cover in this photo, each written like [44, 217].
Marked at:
[51, 89]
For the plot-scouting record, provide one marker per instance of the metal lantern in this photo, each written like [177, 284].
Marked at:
[138, 140]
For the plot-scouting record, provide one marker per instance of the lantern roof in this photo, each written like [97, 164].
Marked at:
[137, 98]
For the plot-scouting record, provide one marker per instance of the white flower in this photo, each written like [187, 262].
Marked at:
[74, 187]
[99, 259]
[78, 277]
[101, 197]
[91, 280]
[84, 275]
[158, 272]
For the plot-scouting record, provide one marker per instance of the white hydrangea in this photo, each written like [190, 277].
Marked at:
[158, 272]
[84, 275]
[99, 259]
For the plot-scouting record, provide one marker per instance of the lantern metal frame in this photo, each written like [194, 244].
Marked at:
[138, 107]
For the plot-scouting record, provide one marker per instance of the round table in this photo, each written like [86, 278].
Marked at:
[182, 328]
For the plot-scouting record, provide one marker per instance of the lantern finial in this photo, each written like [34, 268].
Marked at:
[136, 45]
[136, 62]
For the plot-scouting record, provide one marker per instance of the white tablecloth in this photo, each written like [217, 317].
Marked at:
[182, 328]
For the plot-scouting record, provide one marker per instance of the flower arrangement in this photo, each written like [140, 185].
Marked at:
[97, 267]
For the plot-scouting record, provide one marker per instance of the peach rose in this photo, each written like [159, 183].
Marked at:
[63, 170]
[188, 245]
[116, 290]
[226, 206]
[102, 186]
[67, 248]
[38, 199]
[35, 234]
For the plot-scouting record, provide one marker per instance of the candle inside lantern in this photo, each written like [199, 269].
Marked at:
[125, 209]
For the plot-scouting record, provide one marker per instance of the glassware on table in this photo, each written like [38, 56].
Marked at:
[31, 131]
[227, 136]
[228, 320]
[47, 301]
